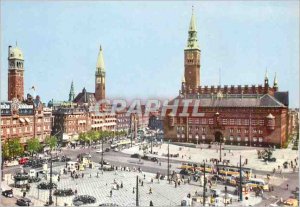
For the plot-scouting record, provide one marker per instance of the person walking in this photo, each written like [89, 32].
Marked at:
[150, 190]
[110, 192]
[151, 203]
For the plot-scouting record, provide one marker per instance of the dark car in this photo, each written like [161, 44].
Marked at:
[135, 155]
[23, 202]
[65, 159]
[107, 150]
[55, 159]
[104, 162]
[8, 193]
[145, 157]
[154, 159]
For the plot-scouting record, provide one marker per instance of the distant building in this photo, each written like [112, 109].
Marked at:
[155, 122]
[81, 113]
[123, 121]
[242, 115]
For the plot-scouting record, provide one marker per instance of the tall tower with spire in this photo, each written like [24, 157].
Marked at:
[275, 84]
[15, 73]
[266, 82]
[100, 77]
[192, 57]
[72, 93]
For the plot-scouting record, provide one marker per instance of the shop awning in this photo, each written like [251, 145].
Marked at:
[22, 120]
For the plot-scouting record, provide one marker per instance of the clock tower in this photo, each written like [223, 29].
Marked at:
[100, 77]
[15, 74]
[192, 58]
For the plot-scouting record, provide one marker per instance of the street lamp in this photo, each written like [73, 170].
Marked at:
[169, 162]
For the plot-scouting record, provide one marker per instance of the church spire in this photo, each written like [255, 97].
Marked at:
[100, 61]
[192, 42]
[275, 85]
[72, 93]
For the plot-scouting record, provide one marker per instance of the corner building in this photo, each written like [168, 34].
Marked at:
[255, 115]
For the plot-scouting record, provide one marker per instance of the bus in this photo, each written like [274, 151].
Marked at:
[258, 183]
[234, 171]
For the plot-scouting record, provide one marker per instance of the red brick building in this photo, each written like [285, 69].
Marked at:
[21, 118]
[242, 115]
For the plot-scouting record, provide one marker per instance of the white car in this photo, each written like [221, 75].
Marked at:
[99, 151]
[116, 150]
[11, 163]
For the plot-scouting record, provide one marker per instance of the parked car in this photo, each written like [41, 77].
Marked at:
[55, 159]
[8, 193]
[99, 151]
[65, 159]
[107, 150]
[23, 160]
[24, 202]
[154, 159]
[11, 163]
[104, 162]
[136, 155]
[116, 150]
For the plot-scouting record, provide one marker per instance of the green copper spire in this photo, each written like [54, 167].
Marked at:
[71, 94]
[100, 61]
[275, 85]
[192, 42]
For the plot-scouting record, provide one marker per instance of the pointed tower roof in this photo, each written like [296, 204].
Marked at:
[72, 93]
[100, 61]
[275, 81]
[192, 42]
[266, 74]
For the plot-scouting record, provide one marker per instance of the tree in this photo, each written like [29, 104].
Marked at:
[15, 148]
[51, 141]
[33, 145]
[5, 151]
[83, 137]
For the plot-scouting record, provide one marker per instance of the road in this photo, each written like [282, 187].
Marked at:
[122, 159]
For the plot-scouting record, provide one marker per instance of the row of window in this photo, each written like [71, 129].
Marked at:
[203, 129]
[15, 121]
[231, 138]
[23, 129]
[224, 121]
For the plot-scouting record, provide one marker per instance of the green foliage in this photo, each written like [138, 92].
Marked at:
[12, 148]
[33, 145]
[5, 151]
[51, 141]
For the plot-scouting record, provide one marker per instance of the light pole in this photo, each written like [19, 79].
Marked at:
[102, 152]
[169, 162]
[241, 179]
[50, 189]
[204, 185]
[137, 191]
[221, 150]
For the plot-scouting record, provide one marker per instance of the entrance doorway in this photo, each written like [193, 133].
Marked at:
[218, 137]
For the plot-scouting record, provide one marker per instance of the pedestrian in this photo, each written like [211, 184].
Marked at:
[90, 175]
[150, 190]
[142, 183]
[133, 190]
[121, 184]
[24, 194]
[151, 203]
[287, 186]
[75, 191]
[110, 192]
[151, 180]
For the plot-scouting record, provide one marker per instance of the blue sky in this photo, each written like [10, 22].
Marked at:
[143, 45]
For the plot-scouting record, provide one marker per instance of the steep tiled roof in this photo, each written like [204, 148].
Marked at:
[85, 97]
[232, 101]
[283, 97]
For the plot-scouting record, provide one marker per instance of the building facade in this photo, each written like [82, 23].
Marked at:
[25, 120]
[239, 115]
[22, 118]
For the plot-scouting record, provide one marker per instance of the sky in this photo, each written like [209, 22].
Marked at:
[143, 45]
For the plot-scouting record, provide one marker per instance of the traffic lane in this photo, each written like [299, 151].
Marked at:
[5, 201]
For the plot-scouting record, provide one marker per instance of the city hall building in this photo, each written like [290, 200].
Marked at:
[255, 115]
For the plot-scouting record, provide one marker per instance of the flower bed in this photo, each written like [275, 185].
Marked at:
[83, 200]
[63, 192]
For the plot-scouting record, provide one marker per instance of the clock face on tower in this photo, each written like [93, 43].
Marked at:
[98, 80]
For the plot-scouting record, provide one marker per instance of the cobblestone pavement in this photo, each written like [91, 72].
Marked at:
[163, 193]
